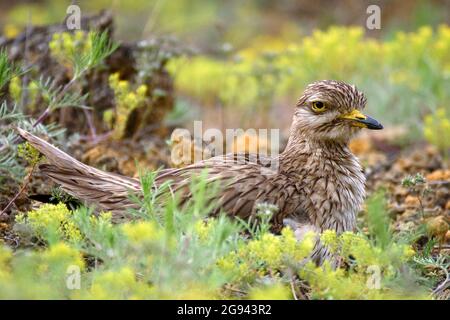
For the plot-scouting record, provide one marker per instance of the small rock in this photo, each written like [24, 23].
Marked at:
[412, 201]
[400, 191]
[437, 227]
[396, 208]
[447, 236]
[438, 175]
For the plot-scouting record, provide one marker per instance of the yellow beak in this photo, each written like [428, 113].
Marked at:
[361, 120]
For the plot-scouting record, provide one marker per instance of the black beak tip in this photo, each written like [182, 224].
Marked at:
[377, 126]
[372, 124]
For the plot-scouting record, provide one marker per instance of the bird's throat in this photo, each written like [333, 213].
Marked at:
[300, 149]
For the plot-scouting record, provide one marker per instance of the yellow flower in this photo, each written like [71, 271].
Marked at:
[131, 101]
[408, 252]
[33, 91]
[50, 216]
[67, 41]
[329, 238]
[114, 79]
[273, 292]
[113, 284]
[142, 231]
[122, 85]
[61, 253]
[5, 256]
[11, 31]
[227, 263]
[437, 129]
[79, 35]
[204, 228]
[141, 90]
[15, 88]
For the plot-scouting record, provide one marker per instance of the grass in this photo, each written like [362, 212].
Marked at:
[175, 251]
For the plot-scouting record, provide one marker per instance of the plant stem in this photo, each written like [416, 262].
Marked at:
[90, 124]
[445, 284]
[42, 117]
[27, 181]
[60, 95]
[49, 109]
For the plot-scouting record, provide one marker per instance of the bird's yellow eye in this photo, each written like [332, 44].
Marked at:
[318, 106]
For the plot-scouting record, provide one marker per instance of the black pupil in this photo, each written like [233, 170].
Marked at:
[319, 105]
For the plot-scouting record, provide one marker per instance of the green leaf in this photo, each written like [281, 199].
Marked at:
[378, 220]
[7, 70]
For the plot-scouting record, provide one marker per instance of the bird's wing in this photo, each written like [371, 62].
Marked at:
[242, 186]
[243, 183]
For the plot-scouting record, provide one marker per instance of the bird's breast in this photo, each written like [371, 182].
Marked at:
[334, 191]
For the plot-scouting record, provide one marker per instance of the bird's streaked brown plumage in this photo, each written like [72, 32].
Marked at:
[318, 185]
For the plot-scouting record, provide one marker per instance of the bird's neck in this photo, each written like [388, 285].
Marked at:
[330, 177]
[301, 147]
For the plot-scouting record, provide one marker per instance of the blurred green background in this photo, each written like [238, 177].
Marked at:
[249, 61]
[210, 23]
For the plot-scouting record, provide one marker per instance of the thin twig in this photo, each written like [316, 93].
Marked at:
[58, 98]
[25, 80]
[235, 290]
[90, 124]
[294, 293]
[441, 247]
[444, 285]
[48, 110]
[27, 181]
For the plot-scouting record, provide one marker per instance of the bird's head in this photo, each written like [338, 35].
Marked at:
[332, 110]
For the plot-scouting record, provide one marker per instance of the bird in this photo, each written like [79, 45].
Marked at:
[318, 183]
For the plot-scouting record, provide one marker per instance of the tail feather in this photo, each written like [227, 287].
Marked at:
[108, 191]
